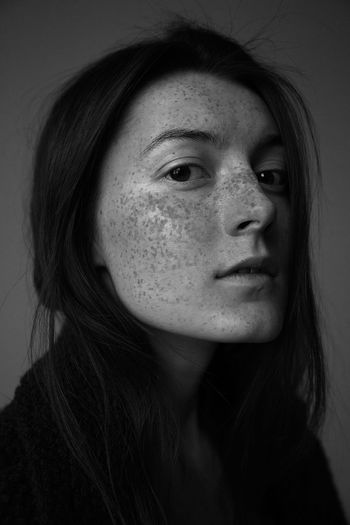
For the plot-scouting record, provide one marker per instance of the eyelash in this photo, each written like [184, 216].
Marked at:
[188, 165]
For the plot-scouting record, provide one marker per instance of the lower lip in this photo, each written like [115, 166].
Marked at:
[247, 279]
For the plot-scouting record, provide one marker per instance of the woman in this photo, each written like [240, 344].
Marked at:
[182, 376]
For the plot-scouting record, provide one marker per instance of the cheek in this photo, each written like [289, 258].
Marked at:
[146, 233]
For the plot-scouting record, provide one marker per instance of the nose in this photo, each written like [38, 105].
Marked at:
[249, 210]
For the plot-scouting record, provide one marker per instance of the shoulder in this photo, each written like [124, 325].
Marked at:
[16, 483]
[34, 463]
[41, 480]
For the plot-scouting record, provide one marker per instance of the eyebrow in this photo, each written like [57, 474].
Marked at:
[181, 134]
[268, 141]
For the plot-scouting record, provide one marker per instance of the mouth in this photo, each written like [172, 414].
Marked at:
[248, 278]
[251, 268]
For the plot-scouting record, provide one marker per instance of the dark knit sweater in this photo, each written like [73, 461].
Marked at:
[41, 483]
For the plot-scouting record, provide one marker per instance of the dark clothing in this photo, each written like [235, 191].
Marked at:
[41, 483]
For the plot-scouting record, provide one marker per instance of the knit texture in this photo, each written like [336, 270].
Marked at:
[41, 482]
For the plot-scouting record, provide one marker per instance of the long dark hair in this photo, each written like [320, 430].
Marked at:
[100, 376]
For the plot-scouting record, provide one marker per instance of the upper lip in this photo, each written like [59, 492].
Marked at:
[265, 264]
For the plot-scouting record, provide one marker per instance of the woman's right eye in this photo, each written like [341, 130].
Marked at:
[184, 172]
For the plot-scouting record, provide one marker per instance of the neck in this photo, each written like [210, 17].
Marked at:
[184, 361]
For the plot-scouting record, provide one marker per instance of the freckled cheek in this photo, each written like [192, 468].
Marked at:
[159, 239]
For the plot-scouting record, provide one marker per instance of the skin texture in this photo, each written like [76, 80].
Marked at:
[162, 241]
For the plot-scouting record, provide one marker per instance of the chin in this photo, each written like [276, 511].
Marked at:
[254, 327]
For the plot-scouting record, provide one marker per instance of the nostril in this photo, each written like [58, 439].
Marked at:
[244, 224]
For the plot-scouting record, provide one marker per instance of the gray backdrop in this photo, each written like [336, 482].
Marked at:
[42, 42]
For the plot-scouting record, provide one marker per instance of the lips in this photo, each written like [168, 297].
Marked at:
[266, 265]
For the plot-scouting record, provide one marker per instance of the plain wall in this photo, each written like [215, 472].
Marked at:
[42, 42]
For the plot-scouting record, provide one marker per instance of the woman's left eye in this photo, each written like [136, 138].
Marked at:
[184, 172]
[277, 178]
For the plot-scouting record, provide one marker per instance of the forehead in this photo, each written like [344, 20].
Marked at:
[196, 100]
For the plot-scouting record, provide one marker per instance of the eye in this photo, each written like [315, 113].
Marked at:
[277, 179]
[184, 172]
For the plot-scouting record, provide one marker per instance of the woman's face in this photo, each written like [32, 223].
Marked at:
[193, 185]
